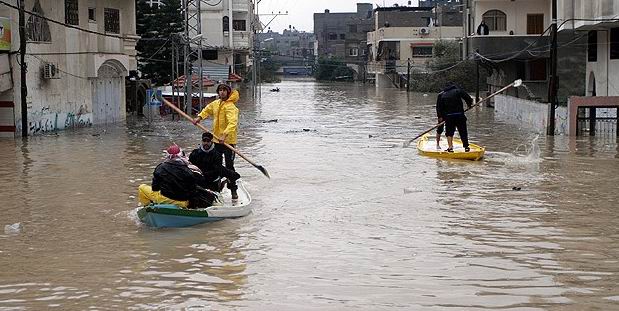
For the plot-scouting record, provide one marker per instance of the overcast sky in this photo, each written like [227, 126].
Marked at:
[301, 12]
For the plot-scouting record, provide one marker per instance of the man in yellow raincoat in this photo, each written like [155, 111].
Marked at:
[225, 125]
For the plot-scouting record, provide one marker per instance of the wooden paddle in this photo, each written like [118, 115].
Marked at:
[202, 127]
[516, 83]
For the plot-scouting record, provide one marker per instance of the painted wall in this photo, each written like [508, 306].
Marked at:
[529, 114]
[516, 12]
[68, 100]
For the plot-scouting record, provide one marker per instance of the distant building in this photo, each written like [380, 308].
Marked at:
[74, 78]
[292, 47]
[433, 3]
[344, 35]
[406, 35]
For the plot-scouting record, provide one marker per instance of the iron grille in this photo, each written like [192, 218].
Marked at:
[112, 20]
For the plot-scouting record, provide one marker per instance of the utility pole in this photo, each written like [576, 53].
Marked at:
[553, 83]
[24, 69]
[408, 76]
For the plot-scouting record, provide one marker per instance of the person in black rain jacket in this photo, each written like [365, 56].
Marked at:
[449, 109]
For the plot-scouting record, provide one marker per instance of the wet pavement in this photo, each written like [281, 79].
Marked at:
[350, 220]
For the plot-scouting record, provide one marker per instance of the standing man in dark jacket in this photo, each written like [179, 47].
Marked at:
[449, 109]
[208, 159]
[173, 181]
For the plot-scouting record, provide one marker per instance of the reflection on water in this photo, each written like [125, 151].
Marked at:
[350, 219]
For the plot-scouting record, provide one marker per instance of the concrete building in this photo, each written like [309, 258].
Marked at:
[292, 48]
[596, 113]
[406, 35]
[74, 78]
[344, 35]
[433, 3]
[513, 27]
[228, 28]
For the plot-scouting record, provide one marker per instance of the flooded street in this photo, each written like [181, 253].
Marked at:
[350, 219]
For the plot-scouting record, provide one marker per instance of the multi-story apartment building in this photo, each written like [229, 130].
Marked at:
[228, 28]
[405, 36]
[74, 78]
[291, 43]
[516, 45]
[597, 113]
[344, 35]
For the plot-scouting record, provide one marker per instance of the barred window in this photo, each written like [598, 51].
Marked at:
[239, 25]
[71, 12]
[112, 20]
[37, 28]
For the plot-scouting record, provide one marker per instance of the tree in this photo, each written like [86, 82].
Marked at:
[446, 66]
[158, 29]
[333, 69]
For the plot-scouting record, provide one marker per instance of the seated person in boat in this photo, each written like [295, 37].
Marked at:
[175, 182]
[209, 160]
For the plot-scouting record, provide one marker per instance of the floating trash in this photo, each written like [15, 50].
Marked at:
[13, 229]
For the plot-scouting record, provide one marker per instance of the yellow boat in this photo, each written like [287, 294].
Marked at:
[427, 146]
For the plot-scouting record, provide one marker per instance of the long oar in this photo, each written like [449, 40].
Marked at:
[516, 83]
[202, 127]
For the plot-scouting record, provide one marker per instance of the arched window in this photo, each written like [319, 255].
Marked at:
[496, 20]
[226, 23]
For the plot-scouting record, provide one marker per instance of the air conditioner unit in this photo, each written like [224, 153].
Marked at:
[50, 71]
[424, 31]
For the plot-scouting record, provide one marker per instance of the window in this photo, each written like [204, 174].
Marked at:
[111, 18]
[71, 13]
[422, 51]
[532, 70]
[496, 20]
[37, 29]
[535, 24]
[92, 14]
[352, 28]
[342, 36]
[209, 54]
[353, 52]
[592, 46]
[614, 43]
[239, 25]
[332, 36]
[226, 23]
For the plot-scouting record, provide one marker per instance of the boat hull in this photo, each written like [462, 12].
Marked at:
[427, 147]
[169, 215]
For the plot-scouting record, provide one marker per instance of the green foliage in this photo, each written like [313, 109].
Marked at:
[441, 70]
[158, 23]
[332, 69]
[268, 69]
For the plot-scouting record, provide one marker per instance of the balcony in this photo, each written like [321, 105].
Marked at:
[501, 47]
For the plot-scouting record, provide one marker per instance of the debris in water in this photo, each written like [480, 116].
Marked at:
[516, 188]
[13, 229]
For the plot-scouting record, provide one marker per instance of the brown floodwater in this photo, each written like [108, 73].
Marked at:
[350, 219]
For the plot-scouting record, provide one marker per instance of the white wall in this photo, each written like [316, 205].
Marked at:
[529, 114]
[516, 12]
[68, 100]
